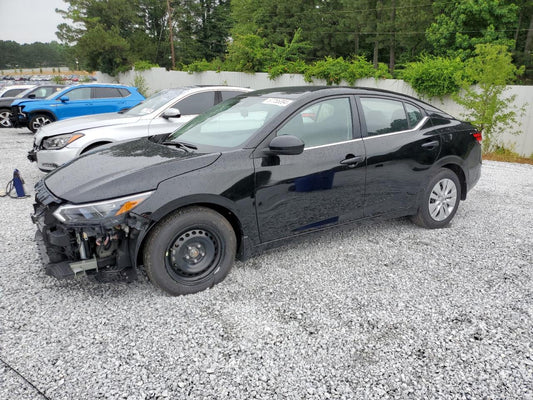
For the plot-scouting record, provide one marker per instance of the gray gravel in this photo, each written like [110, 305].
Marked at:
[383, 310]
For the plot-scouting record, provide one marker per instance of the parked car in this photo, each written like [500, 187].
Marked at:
[162, 113]
[74, 101]
[13, 90]
[33, 92]
[252, 172]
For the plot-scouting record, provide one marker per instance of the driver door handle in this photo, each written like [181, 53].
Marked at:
[352, 160]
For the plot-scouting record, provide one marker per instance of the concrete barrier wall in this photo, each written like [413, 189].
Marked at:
[159, 78]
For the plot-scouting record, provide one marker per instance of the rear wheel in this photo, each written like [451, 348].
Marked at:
[39, 120]
[440, 201]
[5, 113]
[190, 250]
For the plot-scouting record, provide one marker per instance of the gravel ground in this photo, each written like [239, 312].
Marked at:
[383, 310]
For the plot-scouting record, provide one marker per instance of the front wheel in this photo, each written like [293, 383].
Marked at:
[5, 114]
[189, 251]
[39, 120]
[440, 200]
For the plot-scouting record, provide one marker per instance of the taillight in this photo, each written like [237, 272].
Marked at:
[478, 136]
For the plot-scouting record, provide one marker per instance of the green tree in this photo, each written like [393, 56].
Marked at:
[491, 69]
[461, 25]
[202, 29]
[110, 35]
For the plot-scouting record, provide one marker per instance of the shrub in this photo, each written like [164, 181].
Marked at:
[143, 65]
[434, 76]
[486, 106]
[335, 70]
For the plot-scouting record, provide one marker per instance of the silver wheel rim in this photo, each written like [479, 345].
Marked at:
[40, 121]
[4, 119]
[442, 199]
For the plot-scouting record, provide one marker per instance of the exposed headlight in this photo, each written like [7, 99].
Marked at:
[100, 210]
[60, 141]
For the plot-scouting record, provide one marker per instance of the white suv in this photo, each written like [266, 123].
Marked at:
[162, 113]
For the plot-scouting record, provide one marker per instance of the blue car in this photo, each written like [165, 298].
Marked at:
[73, 101]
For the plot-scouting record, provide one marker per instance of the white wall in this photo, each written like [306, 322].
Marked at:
[159, 78]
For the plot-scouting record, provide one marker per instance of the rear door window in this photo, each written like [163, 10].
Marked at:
[106, 93]
[383, 116]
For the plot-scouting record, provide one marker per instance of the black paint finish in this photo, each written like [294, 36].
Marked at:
[268, 196]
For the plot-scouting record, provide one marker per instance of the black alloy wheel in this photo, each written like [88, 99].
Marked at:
[190, 250]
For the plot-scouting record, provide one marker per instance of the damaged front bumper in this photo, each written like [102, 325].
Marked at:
[102, 248]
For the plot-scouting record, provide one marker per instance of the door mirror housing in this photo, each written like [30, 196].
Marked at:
[171, 113]
[64, 99]
[286, 145]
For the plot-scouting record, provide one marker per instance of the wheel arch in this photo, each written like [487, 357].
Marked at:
[457, 170]
[215, 204]
[49, 113]
[92, 146]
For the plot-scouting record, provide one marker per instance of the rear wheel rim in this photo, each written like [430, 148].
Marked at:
[193, 255]
[4, 119]
[442, 199]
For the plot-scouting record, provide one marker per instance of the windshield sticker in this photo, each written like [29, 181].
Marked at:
[278, 102]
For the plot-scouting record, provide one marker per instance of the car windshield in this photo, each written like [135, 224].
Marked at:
[230, 123]
[154, 102]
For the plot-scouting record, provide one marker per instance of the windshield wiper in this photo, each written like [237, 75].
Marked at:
[182, 145]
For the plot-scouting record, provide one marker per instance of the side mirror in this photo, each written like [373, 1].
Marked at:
[64, 99]
[171, 113]
[286, 145]
[31, 96]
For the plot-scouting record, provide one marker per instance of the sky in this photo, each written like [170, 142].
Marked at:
[29, 21]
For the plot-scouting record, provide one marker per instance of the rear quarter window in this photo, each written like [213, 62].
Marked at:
[124, 92]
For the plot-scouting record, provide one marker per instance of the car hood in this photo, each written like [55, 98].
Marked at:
[6, 101]
[17, 102]
[122, 169]
[84, 123]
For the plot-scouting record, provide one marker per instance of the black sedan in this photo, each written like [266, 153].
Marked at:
[250, 173]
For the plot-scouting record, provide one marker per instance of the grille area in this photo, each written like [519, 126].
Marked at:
[43, 195]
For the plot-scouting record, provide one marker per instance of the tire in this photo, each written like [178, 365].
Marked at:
[440, 200]
[190, 251]
[39, 120]
[5, 113]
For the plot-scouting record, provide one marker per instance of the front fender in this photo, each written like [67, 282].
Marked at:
[219, 204]
[32, 113]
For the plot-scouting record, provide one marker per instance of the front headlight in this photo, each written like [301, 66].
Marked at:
[60, 141]
[100, 210]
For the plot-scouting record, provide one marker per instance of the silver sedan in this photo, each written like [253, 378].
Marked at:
[162, 113]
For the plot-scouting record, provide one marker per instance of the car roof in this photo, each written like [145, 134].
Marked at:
[297, 92]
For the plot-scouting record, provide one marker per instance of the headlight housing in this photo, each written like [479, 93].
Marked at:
[60, 141]
[94, 212]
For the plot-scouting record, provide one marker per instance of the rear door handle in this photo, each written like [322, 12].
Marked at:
[430, 145]
[352, 161]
